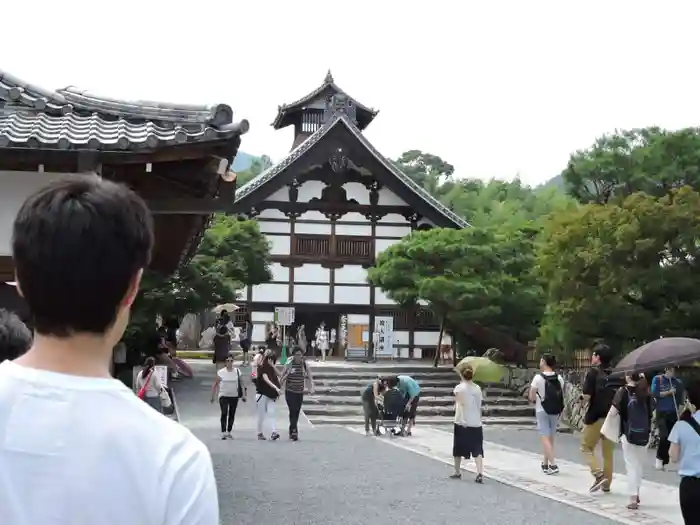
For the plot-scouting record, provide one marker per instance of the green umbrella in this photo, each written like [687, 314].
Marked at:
[485, 370]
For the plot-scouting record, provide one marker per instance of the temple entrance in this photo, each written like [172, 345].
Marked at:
[311, 320]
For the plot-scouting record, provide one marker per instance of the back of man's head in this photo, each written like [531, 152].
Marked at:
[78, 245]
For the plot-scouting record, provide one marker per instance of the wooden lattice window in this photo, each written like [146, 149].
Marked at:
[425, 320]
[313, 245]
[401, 318]
[349, 247]
[240, 315]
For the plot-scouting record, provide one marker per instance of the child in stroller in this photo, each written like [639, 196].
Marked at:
[393, 416]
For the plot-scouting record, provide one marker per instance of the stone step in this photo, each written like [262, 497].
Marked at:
[423, 411]
[525, 422]
[428, 391]
[424, 401]
[381, 369]
[427, 382]
[368, 376]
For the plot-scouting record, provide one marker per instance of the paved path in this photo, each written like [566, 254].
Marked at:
[336, 476]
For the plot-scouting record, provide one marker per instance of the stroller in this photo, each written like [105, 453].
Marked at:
[393, 416]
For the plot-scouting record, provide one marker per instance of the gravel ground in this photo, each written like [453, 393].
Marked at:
[334, 476]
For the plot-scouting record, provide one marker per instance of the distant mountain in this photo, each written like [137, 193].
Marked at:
[554, 182]
[242, 161]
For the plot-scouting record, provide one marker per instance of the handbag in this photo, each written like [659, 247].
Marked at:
[165, 400]
[611, 426]
[141, 394]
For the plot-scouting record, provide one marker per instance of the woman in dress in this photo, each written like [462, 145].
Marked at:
[468, 440]
[268, 388]
[322, 340]
[229, 387]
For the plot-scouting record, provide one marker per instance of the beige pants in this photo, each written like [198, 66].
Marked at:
[589, 440]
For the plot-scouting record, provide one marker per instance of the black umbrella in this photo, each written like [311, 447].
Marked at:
[659, 354]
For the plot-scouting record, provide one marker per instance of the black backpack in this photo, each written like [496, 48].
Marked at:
[637, 425]
[606, 388]
[553, 402]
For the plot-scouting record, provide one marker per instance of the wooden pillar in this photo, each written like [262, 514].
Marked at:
[372, 300]
[413, 314]
[292, 241]
[333, 250]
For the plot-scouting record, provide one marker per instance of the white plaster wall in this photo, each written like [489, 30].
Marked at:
[393, 231]
[317, 228]
[15, 187]
[381, 298]
[279, 244]
[274, 227]
[242, 293]
[262, 317]
[389, 198]
[309, 190]
[272, 214]
[354, 217]
[357, 191]
[395, 218]
[312, 273]
[351, 274]
[351, 294]
[271, 293]
[258, 332]
[430, 338]
[358, 319]
[279, 273]
[360, 230]
[382, 244]
[281, 195]
[400, 337]
[312, 215]
[311, 293]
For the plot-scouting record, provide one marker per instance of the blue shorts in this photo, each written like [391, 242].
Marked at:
[547, 423]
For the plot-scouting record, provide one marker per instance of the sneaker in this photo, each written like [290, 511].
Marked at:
[229, 435]
[368, 433]
[479, 478]
[275, 436]
[545, 468]
[223, 435]
[659, 465]
[261, 437]
[553, 469]
[598, 483]
[455, 476]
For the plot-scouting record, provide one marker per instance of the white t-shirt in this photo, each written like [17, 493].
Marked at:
[468, 399]
[82, 450]
[228, 384]
[538, 382]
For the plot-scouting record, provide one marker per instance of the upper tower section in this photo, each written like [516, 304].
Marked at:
[309, 113]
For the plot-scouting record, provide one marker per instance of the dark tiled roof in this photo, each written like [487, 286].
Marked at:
[314, 139]
[70, 118]
[328, 83]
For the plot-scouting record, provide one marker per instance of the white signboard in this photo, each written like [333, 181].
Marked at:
[284, 315]
[384, 341]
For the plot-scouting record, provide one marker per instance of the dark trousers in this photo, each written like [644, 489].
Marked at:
[228, 412]
[369, 407]
[294, 402]
[665, 422]
[689, 495]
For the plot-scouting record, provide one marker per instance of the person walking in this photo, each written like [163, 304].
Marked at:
[296, 379]
[369, 397]
[599, 389]
[230, 389]
[547, 392]
[148, 385]
[634, 404]
[685, 450]
[268, 388]
[322, 340]
[410, 389]
[669, 394]
[468, 436]
[245, 338]
[69, 430]
[222, 339]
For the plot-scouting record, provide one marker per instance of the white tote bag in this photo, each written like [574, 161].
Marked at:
[611, 426]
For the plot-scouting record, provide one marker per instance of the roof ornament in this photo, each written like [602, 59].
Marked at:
[329, 77]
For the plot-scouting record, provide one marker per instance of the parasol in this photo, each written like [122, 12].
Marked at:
[662, 353]
[485, 370]
[229, 307]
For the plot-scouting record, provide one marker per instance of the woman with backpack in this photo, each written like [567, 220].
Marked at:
[685, 450]
[633, 403]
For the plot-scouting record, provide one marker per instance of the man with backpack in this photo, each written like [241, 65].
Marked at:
[599, 390]
[547, 392]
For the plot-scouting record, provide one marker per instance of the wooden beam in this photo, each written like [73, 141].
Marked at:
[190, 206]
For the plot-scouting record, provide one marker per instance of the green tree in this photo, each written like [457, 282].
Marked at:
[627, 272]
[427, 170]
[458, 273]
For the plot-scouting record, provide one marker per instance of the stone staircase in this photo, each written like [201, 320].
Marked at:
[337, 397]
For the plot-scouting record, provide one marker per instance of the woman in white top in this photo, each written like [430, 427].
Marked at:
[148, 377]
[322, 340]
[229, 386]
[468, 440]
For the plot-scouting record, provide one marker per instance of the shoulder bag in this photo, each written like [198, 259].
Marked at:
[142, 391]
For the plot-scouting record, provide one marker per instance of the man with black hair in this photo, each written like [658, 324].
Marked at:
[15, 337]
[598, 390]
[547, 392]
[78, 446]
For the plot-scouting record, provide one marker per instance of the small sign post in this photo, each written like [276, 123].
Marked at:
[284, 316]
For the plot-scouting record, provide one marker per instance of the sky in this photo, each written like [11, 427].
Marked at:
[498, 89]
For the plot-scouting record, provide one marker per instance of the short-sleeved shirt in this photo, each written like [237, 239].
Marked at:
[666, 404]
[408, 386]
[688, 439]
[539, 383]
[468, 399]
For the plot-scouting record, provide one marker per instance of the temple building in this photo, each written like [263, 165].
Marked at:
[176, 157]
[328, 209]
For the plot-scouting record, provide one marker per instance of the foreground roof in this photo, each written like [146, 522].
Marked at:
[71, 118]
[341, 119]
